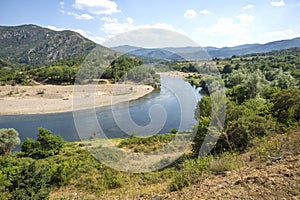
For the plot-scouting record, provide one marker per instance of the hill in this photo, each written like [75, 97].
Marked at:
[199, 53]
[33, 45]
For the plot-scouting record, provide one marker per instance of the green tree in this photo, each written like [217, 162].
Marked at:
[46, 145]
[9, 138]
[287, 107]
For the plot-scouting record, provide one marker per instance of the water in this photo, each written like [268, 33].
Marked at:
[174, 103]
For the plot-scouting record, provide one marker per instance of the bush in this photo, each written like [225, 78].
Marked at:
[31, 183]
[46, 145]
[287, 107]
[4, 184]
[224, 162]
[191, 172]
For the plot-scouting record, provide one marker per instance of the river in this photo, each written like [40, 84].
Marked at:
[176, 101]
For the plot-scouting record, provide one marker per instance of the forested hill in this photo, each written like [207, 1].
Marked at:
[34, 45]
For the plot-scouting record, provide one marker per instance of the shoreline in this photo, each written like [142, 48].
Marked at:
[51, 99]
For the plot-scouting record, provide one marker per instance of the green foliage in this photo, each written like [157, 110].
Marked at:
[287, 107]
[119, 67]
[224, 162]
[243, 123]
[4, 185]
[146, 144]
[190, 172]
[173, 131]
[46, 145]
[31, 183]
[9, 138]
[62, 72]
[267, 147]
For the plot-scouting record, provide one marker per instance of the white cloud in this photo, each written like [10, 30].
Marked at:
[226, 26]
[62, 7]
[97, 7]
[109, 19]
[54, 28]
[112, 27]
[278, 3]
[86, 34]
[278, 35]
[245, 19]
[227, 31]
[82, 16]
[190, 13]
[248, 7]
[129, 20]
[204, 12]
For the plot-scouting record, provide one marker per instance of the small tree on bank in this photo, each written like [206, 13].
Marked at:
[9, 139]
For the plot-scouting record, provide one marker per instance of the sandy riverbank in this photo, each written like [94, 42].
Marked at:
[51, 98]
[176, 74]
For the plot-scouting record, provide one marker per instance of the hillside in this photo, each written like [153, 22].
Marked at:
[33, 45]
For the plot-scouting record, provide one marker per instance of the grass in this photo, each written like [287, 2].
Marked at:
[224, 162]
[146, 144]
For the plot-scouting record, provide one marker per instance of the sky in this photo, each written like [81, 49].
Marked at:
[217, 23]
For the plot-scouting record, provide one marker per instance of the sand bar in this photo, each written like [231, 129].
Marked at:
[52, 98]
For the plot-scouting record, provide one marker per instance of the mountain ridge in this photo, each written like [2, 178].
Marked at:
[34, 45]
[194, 53]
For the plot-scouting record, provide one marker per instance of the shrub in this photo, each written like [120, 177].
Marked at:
[287, 107]
[224, 162]
[46, 145]
[191, 172]
[31, 183]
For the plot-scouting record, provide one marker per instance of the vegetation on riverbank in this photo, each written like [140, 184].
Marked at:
[260, 134]
[65, 72]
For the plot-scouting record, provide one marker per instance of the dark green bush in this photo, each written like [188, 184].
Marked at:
[46, 145]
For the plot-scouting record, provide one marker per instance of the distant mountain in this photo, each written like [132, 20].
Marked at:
[31, 44]
[199, 53]
[34, 45]
[253, 48]
[149, 54]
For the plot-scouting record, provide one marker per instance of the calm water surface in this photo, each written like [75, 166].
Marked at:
[171, 97]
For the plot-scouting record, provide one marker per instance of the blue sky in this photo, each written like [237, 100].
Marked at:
[209, 23]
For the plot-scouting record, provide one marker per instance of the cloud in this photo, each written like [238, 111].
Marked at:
[278, 35]
[248, 7]
[97, 7]
[84, 33]
[190, 13]
[151, 37]
[62, 4]
[278, 3]
[204, 12]
[226, 26]
[54, 28]
[113, 27]
[227, 31]
[82, 16]
[62, 7]
[245, 19]
[108, 19]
